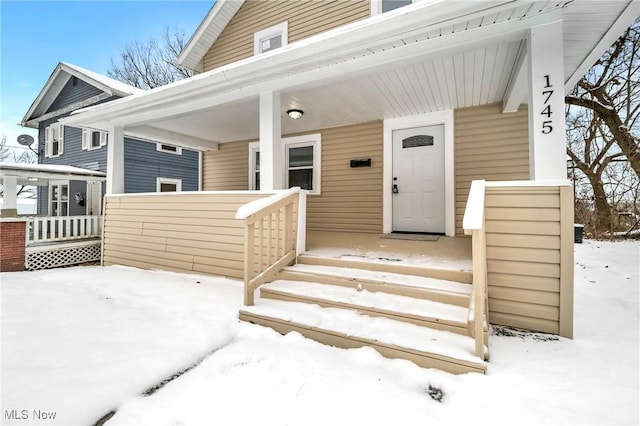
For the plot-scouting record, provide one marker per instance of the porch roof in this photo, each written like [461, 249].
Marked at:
[41, 174]
[429, 56]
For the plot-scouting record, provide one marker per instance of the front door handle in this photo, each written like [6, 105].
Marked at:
[395, 189]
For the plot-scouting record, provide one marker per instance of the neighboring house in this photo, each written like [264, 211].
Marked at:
[149, 165]
[385, 112]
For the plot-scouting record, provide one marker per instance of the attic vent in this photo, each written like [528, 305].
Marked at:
[416, 141]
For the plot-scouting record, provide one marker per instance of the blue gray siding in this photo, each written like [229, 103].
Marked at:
[143, 163]
[71, 94]
[72, 153]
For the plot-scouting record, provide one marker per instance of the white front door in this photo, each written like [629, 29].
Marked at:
[418, 179]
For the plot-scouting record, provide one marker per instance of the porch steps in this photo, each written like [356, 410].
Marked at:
[346, 328]
[389, 266]
[379, 280]
[422, 312]
[411, 316]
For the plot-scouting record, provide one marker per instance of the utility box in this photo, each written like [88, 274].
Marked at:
[578, 231]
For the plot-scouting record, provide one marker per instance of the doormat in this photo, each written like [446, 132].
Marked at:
[410, 237]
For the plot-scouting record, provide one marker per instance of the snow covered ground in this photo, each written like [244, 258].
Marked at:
[80, 342]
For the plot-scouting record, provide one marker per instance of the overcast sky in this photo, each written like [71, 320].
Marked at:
[36, 35]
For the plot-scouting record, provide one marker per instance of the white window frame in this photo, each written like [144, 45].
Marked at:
[281, 29]
[254, 147]
[87, 139]
[161, 147]
[59, 184]
[314, 140]
[171, 181]
[48, 140]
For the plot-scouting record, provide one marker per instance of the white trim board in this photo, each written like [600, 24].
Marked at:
[441, 117]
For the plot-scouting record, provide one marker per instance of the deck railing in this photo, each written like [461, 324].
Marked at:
[473, 224]
[47, 229]
[270, 238]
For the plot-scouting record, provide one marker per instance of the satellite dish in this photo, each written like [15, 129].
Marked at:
[25, 140]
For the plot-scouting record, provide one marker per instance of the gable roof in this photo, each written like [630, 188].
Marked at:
[207, 33]
[56, 82]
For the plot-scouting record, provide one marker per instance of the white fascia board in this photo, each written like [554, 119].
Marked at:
[154, 134]
[49, 92]
[212, 25]
[273, 70]
[624, 21]
[92, 100]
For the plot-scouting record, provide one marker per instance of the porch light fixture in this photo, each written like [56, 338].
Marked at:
[32, 179]
[295, 114]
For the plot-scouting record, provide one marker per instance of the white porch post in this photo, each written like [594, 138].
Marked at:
[115, 161]
[547, 138]
[271, 156]
[10, 203]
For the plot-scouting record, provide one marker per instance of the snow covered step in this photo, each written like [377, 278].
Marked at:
[421, 312]
[392, 265]
[345, 328]
[438, 290]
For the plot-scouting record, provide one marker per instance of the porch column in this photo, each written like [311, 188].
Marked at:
[115, 161]
[10, 203]
[547, 138]
[271, 155]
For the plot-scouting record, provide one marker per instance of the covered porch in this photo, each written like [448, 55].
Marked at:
[491, 77]
[56, 238]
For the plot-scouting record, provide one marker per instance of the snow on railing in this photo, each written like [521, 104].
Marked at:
[270, 238]
[46, 229]
[473, 224]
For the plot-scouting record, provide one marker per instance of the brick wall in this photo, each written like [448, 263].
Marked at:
[12, 245]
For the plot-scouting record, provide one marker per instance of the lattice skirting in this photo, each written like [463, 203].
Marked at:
[61, 255]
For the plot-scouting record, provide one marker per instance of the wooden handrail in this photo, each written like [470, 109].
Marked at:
[473, 224]
[270, 227]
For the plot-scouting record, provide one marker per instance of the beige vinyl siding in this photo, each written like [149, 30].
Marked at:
[525, 256]
[489, 145]
[305, 18]
[177, 232]
[351, 199]
[226, 169]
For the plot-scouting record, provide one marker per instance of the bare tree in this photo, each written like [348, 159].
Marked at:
[602, 136]
[611, 89]
[151, 64]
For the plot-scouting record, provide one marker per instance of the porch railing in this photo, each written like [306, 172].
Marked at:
[47, 229]
[270, 238]
[473, 224]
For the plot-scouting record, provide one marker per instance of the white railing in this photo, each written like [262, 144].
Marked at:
[473, 224]
[270, 238]
[46, 229]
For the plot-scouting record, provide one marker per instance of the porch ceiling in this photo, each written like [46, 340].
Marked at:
[470, 77]
[427, 57]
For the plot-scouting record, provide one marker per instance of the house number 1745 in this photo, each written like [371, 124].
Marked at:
[547, 92]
